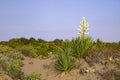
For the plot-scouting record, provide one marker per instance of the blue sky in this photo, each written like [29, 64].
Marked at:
[51, 19]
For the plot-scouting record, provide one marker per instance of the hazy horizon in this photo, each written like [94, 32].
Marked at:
[59, 19]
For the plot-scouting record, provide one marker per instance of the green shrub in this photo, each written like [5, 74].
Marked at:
[11, 66]
[99, 45]
[117, 72]
[17, 62]
[80, 46]
[15, 55]
[11, 62]
[32, 76]
[14, 69]
[65, 62]
[5, 49]
[58, 42]
[42, 49]
[28, 51]
[3, 63]
[45, 48]
[52, 48]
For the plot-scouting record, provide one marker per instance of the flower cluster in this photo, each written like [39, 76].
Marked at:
[83, 28]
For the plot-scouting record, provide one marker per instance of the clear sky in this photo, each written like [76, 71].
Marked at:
[51, 19]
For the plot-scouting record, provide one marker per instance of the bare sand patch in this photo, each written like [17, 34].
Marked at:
[48, 72]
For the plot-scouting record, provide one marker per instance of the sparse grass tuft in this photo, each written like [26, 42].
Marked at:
[32, 76]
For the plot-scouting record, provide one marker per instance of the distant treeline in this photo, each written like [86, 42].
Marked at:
[38, 47]
[32, 47]
[58, 42]
[25, 41]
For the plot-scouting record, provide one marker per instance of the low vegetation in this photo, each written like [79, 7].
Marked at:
[65, 62]
[66, 53]
[80, 47]
[11, 62]
[31, 76]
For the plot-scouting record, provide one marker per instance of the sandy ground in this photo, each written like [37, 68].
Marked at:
[46, 68]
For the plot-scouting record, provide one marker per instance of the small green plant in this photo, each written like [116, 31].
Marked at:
[11, 64]
[32, 76]
[65, 62]
[14, 69]
[117, 74]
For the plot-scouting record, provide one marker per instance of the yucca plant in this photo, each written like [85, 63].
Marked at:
[67, 46]
[80, 46]
[64, 61]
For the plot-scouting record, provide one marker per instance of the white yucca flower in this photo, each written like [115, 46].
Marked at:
[83, 28]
